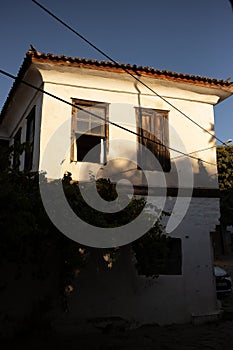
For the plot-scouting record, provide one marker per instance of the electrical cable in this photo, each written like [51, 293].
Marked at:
[99, 117]
[125, 69]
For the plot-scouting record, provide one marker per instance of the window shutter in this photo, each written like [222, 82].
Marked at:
[153, 134]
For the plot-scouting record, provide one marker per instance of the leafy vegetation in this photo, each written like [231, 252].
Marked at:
[28, 236]
[225, 179]
[225, 167]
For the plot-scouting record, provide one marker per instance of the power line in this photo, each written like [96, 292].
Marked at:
[125, 69]
[99, 117]
[198, 151]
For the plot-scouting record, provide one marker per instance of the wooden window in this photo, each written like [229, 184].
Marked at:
[161, 256]
[171, 264]
[152, 126]
[4, 151]
[30, 134]
[17, 150]
[89, 131]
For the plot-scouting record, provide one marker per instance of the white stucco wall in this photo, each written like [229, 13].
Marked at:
[167, 299]
[121, 292]
[119, 91]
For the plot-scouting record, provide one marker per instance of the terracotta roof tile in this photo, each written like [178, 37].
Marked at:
[36, 56]
[48, 56]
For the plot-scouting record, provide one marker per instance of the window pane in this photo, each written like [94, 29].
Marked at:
[88, 143]
[98, 112]
[90, 128]
[16, 155]
[82, 126]
[97, 129]
[146, 123]
[30, 133]
[83, 114]
[30, 140]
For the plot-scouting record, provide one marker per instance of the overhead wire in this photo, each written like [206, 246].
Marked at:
[124, 68]
[198, 151]
[99, 117]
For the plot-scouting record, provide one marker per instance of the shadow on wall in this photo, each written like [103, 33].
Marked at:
[203, 178]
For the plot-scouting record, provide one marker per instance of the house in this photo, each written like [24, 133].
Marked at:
[90, 117]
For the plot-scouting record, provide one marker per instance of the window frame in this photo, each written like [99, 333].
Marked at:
[16, 148]
[162, 151]
[29, 151]
[74, 132]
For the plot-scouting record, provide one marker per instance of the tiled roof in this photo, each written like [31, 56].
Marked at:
[49, 57]
[36, 56]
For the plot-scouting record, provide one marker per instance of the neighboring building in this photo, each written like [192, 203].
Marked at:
[55, 132]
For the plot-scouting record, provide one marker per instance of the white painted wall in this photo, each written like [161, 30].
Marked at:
[167, 299]
[100, 292]
[119, 91]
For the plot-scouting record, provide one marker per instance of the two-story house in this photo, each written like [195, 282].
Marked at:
[155, 132]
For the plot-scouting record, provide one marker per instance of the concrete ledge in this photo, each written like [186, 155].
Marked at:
[197, 319]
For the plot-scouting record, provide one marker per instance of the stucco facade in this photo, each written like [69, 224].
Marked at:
[191, 182]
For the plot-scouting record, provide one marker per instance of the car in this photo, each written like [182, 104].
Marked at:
[223, 280]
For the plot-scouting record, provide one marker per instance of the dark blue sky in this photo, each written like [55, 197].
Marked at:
[194, 37]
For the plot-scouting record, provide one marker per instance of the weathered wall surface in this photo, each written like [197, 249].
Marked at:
[121, 292]
[123, 97]
[167, 299]
[30, 300]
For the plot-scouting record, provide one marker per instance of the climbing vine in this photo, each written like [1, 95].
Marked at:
[28, 236]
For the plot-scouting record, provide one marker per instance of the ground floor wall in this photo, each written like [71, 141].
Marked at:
[120, 292]
[179, 298]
